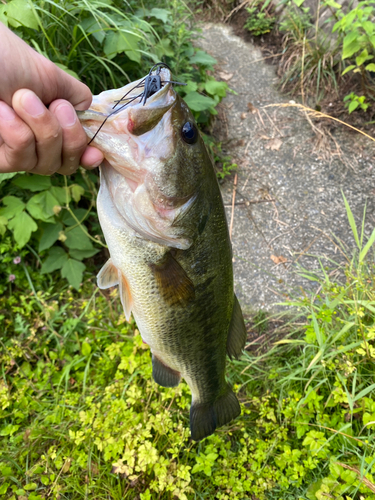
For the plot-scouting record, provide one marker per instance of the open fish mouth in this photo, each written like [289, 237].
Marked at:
[137, 128]
[151, 90]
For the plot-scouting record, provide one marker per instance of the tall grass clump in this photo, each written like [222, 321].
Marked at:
[323, 370]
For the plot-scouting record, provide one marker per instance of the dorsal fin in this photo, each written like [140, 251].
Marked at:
[174, 284]
[237, 332]
[125, 296]
[107, 276]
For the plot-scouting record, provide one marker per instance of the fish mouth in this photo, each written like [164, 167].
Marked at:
[145, 106]
[118, 121]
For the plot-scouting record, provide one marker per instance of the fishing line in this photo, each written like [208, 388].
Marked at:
[152, 83]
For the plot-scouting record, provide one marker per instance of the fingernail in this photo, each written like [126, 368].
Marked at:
[6, 112]
[32, 104]
[66, 115]
[97, 164]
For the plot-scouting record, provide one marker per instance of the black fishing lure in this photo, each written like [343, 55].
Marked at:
[151, 84]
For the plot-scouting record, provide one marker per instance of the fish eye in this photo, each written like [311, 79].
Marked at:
[189, 133]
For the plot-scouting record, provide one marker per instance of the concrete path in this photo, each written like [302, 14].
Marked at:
[288, 201]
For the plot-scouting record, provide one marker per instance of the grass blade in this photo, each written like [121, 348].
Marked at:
[367, 247]
[351, 220]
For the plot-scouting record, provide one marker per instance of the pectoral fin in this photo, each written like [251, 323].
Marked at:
[107, 276]
[237, 332]
[163, 375]
[174, 284]
[125, 296]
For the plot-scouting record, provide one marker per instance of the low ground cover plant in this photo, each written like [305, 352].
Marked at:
[81, 417]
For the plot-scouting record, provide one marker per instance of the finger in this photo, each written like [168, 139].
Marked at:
[45, 127]
[66, 87]
[91, 158]
[17, 146]
[74, 137]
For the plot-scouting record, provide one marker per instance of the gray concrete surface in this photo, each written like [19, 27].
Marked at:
[288, 202]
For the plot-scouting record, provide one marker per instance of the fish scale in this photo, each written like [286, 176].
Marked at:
[164, 222]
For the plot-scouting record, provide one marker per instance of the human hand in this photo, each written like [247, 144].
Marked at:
[32, 137]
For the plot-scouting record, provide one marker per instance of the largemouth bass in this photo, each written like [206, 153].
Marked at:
[163, 219]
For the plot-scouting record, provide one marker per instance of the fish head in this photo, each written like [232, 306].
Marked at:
[155, 160]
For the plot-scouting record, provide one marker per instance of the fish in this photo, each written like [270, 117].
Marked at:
[162, 215]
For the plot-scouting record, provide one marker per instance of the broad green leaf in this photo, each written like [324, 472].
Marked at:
[4, 487]
[122, 41]
[363, 57]
[372, 40]
[163, 48]
[9, 430]
[13, 206]
[201, 57]
[191, 86]
[4, 20]
[5, 177]
[110, 45]
[82, 254]
[61, 194]
[370, 67]
[41, 206]
[161, 14]
[91, 27]
[349, 68]
[333, 4]
[336, 26]
[77, 191]
[33, 182]
[20, 13]
[72, 270]
[22, 226]
[216, 88]
[352, 106]
[55, 260]
[199, 102]
[3, 224]
[77, 239]
[369, 27]
[30, 486]
[351, 49]
[69, 220]
[50, 234]
[298, 2]
[127, 41]
[85, 349]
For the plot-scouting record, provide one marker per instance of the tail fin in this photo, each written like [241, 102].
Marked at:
[206, 417]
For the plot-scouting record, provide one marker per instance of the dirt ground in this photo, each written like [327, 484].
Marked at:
[285, 206]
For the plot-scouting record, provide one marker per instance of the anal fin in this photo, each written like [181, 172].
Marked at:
[206, 417]
[174, 284]
[163, 375]
[108, 275]
[125, 296]
[237, 332]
